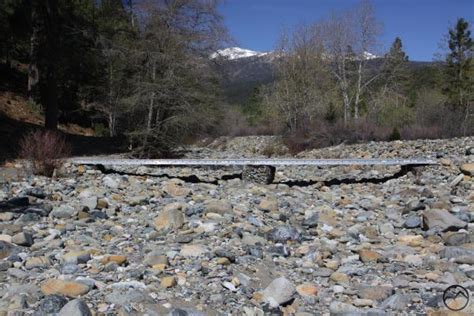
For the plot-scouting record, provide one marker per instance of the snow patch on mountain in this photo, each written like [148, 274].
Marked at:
[236, 53]
[368, 55]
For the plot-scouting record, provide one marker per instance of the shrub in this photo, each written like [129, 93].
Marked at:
[324, 134]
[44, 150]
[395, 135]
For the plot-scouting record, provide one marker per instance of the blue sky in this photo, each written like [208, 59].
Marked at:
[255, 24]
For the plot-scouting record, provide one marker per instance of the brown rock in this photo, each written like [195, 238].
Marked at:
[159, 267]
[37, 262]
[307, 290]
[367, 256]
[468, 169]
[217, 206]
[102, 203]
[176, 189]
[118, 259]
[171, 217]
[77, 257]
[411, 240]
[339, 277]
[269, 204]
[168, 282]
[62, 287]
[223, 261]
[81, 169]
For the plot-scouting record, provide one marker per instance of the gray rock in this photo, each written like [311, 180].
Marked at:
[70, 268]
[412, 222]
[323, 272]
[397, 302]
[7, 249]
[28, 218]
[36, 192]
[119, 297]
[413, 206]
[23, 239]
[225, 254]
[279, 291]
[5, 265]
[376, 293]
[456, 238]
[258, 174]
[442, 220]
[283, 233]
[311, 219]
[110, 182]
[194, 210]
[454, 252]
[75, 307]
[340, 308]
[89, 202]
[63, 211]
[185, 312]
[51, 304]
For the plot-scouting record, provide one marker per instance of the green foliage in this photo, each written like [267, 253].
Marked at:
[253, 108]
[100, 130]
[459, 70]
[35, 107]
[396, 115]
[15, 22]
[395, 73]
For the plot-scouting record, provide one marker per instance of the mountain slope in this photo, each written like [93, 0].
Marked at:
[243, 70]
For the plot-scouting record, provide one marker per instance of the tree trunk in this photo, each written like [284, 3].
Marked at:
[33, 73]
[112, 120]
[150, 106]
[110, 101]
[358, 91]
[49, 93]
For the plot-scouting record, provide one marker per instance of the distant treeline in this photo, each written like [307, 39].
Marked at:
[329, 88]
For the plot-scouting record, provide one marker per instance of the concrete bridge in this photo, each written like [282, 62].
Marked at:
[257, 170]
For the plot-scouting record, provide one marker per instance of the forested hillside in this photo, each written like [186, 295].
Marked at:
[133, 68]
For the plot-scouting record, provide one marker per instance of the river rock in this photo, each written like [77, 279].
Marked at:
[171, 217]
[442, 220]
[279, 291]
[63, 211]
[62, 287]
[75, 307]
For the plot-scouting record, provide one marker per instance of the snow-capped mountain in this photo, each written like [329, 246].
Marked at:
[368, 55]
[236, 53]
[233, 53]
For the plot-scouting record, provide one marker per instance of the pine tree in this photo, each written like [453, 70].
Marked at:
[395, 70]
[459, 69]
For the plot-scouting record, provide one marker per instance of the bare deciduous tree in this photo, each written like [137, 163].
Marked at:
[350, 39]
[299, 93]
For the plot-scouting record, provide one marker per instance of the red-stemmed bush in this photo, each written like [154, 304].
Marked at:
[44, 150]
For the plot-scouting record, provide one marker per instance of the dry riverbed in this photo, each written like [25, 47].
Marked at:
[200, 241]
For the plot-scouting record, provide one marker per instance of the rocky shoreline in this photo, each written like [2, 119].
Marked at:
[200, 241]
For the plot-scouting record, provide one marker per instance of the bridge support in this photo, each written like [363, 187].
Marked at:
[258, 174]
